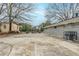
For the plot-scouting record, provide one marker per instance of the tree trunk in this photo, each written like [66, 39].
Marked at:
[10, 26]
[10, 14]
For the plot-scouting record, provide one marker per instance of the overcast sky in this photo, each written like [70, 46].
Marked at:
[39, 13]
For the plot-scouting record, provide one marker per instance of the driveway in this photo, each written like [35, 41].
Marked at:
[36, 44]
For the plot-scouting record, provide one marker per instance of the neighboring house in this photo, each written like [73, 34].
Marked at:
[4, 26]
[58, 28]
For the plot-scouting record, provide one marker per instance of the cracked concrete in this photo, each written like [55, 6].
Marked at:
[37, 44]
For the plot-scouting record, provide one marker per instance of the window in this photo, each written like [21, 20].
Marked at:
[17, 27]
[4, 26]
[0, 29]
[55, 27]
[76, 14]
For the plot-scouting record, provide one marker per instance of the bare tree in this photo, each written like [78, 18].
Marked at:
[2, 11]
[62, 11]
[16, 11]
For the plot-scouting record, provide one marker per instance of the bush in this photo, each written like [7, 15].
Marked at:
[25, 28]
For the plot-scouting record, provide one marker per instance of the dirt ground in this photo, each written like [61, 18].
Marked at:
[36, 44]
